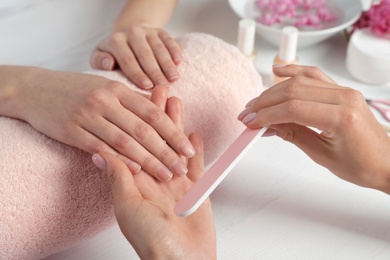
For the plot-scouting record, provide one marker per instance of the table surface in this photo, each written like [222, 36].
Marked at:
[276, 203]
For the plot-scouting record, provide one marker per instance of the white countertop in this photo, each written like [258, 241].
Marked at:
[276, 203]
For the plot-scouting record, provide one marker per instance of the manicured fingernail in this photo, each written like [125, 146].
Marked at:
[177, 58]
[186, 149]
[249, 118]
[173, 74]
[133, 166]
[162, 81]
[279, 65]
[250, 103]
[163, 174]
[243, 113]
[147, 84]
[179, 168]
[107, 64]
[99, 161]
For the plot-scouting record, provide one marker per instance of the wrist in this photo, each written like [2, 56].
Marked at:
[15, 84]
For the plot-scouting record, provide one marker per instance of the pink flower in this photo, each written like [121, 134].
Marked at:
[377, 19]
[300, 13]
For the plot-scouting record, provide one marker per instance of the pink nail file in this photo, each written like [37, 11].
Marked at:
[217, 172]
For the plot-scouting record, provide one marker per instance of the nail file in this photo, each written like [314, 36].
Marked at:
[199, 192]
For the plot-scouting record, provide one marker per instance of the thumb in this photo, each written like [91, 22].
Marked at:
[102, 60]
[306, 139]
[119, 176]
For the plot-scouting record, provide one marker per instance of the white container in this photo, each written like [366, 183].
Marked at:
[368, 57]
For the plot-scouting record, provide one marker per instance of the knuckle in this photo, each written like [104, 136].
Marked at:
[121, 142]
[127, 62]
[95, 146]
[353, 96]
[148, 162]
[293, 87]
[292, 106]
[141, 131]
[350, 116]
[96, 97]
[315, 72]
[165, 154]
[154, 115]
[116, 39]
[159, 47]
[145, 54]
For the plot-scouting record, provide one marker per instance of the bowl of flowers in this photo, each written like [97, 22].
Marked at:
[316, 20]
[368, 51]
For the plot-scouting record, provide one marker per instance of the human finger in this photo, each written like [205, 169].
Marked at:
[306, 113]
[172, 46]
[196, 163]
[159, 96]
[120, 178]
[161, 123]
[307, 71]
[296, 88]
[147, 59]
[174, 110]
[163, 57]
[102, 60]
[118, 46]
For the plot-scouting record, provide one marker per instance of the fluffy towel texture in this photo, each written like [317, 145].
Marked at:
[52, 196]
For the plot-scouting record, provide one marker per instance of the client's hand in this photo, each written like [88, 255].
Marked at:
[351, 143]
[144, 208]
[147, 56]
[96, 114]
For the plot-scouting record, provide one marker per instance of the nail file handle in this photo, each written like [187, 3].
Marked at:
[199, 192]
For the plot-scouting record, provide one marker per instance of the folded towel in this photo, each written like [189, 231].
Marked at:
[51, 195]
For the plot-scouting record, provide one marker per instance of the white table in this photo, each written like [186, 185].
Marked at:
[276, 203]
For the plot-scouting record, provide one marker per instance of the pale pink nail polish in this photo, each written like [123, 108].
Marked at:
[249, 118]
[147, 84]
[163, 174]
[133, 166]
[107, 64]
[186, 149]
[243, 113]
[179, 168]
[99, 161]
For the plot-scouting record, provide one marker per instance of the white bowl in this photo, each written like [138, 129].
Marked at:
[347, 12]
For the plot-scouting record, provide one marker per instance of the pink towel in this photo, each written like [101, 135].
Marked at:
[52, 196]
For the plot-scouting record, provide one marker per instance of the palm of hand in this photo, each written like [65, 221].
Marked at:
[168, 235]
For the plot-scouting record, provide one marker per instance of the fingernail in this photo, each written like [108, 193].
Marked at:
[249, 118]
[243, 113]
[147, 84]
[250, 103]
[162, 81]
[173, 74]
[107, 64]
[163, 174]
[99, 161]
[186, 149]
[279, 65]
[179, 168]
[177, 58]
[133, 166]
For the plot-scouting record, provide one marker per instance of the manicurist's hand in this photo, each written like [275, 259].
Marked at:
[96, 114]
[350, 142]
[140, 46]
[144, 207]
